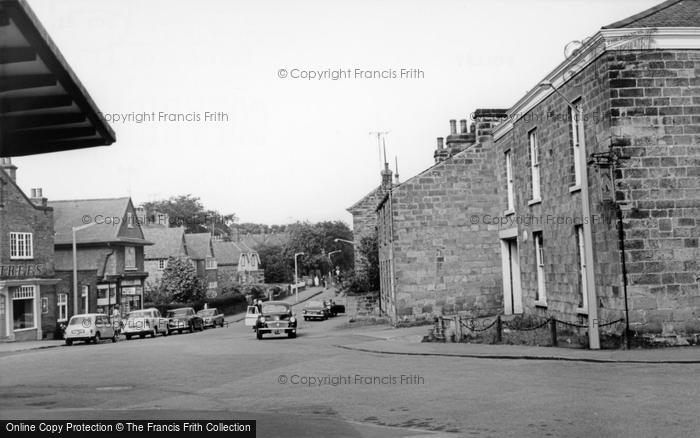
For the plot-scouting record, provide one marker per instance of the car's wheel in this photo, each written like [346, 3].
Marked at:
[179, 331]
[292, 334]
[69, 342]
[259, 334]
[306, 319]
[96, 339]
[128, 337]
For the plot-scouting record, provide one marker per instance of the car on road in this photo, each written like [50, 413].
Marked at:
[145, 322]
[315, 310]
[276, 318]
[184, 319]
[334, 308]
[251, 316]
[211, 317]
[89, 327]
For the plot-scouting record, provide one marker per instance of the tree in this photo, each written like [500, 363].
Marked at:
[272, 260]
[316, 241]
[180, 282]
[188, 211]
[369, 260]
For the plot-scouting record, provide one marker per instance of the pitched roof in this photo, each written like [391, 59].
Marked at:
[226, 253]
[78, 212]
[167, 242]
[671, 13]
[198, 245]
[373, 193]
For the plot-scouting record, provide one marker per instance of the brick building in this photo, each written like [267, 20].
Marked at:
[110, 254]
[201, 253]
[40, 91]
[28, 302]
[167, 242]
[498, 225]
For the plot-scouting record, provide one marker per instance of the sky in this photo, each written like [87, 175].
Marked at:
[281, 145]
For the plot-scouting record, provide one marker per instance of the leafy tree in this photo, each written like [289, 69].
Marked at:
[188, 211]
[180, 282]
[316, 241]
[277, 267]
[369, 260]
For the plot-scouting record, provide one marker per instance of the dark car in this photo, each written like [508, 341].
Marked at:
[212, 317]
[183, 319]
[335, 309]
[276, 318]
[315, 310]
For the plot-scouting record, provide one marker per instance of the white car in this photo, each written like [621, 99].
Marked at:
[251, 316]
[145, 322]
[89, 327]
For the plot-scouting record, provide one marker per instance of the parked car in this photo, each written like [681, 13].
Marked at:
[315, 310]
[145, 322]
[89, 327]
[183, 319]
[276, 318]
[211, 317]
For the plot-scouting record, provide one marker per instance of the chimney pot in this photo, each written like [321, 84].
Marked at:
[463, 126]
[440, 143]
[33, 193]
[453, 127]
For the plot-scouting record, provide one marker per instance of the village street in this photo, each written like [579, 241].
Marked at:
[308, 386]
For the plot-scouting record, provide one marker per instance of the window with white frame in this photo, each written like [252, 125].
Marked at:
[129, 220]
[576, 141]
[213, 285]
[211, 263]
[162, 263]
[21, 246]
[509, 180]
[581, 250]
[62, 306]
[23, 308]
[534, 164]
[540, 292]
[129, 257]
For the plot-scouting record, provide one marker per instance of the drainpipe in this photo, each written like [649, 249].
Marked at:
[391, 255]
[621, 238]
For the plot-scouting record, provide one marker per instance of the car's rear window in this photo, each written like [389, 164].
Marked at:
[140, 314]
[80, 320]
[178, 312]
[208, 312]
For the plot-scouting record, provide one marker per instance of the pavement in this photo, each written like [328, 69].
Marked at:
[407, 341]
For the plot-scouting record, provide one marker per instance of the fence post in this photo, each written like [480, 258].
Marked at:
[499, 329]
[458, 328]
[553, 330]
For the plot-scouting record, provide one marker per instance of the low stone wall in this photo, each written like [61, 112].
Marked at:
[366, 305]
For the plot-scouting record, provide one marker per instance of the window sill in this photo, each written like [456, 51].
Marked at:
[22, 258]
[574, 189]
[24, 329]
[582, 311]
[508, 212]
[131, 269]
[541, 304]
[532, 202]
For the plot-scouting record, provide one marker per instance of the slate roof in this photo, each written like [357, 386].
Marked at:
[198, 245]
[671, 13]
[167, 242]
[74, 213]
[226, 253]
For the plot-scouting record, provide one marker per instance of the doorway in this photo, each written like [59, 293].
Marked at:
[512, 291]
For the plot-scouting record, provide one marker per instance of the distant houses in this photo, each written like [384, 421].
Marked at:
[167, 243]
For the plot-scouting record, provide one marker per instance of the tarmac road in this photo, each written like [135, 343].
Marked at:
[309, 387]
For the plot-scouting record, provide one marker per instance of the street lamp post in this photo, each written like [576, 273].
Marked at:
[75, 266]
[296, 276]
[593, 334]
[343, 240]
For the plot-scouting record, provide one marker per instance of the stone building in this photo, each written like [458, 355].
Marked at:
[29, 308]
[110, 254]
[636, 82]
[497, 225]
[433, 258]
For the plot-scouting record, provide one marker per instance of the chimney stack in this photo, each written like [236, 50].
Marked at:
[386, 177]
[486, 120]
[453, 127]
[7, 166]
[38, 197]
[441, 154]
[463, 126]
